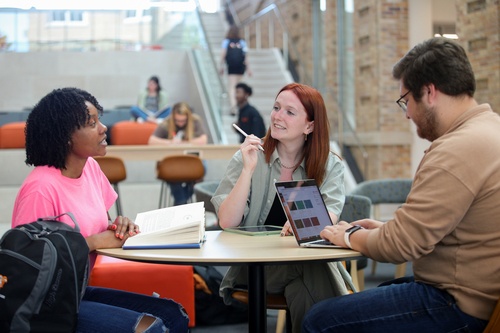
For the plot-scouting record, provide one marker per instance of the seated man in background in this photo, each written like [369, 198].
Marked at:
[249, 119]
[181, 127]
[448, 226]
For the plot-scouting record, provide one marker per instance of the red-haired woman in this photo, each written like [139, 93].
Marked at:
[296, 146]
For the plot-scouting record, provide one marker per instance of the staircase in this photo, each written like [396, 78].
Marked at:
[268, 73]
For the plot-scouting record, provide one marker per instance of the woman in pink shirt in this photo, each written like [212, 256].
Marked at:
[63, 132]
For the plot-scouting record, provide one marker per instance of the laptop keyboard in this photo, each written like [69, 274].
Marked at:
[322, 242]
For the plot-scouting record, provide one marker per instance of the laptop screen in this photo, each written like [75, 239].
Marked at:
[304, 208]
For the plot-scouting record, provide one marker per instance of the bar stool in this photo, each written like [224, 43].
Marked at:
[114, 169]
[177, 168]
[274, 302]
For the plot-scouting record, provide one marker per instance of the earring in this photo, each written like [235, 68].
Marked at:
[305, 136]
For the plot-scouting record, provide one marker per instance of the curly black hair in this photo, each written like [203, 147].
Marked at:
[51, 124]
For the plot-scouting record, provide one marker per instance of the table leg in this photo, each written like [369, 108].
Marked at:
[257, 312]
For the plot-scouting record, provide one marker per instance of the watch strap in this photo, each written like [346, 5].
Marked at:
[347, 234]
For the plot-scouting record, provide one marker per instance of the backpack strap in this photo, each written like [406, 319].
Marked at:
[52, 218]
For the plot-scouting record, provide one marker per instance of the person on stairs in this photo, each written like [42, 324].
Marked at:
[234, 58]
[249, 118]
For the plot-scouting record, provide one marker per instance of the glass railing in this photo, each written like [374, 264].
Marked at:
[214, 91]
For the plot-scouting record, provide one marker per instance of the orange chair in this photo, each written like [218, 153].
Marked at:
[494, 322]
[131, 133]
[12, 135]
[169, 281]
[114, 169]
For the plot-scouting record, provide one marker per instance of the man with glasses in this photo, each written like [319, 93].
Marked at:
[449, 226]
[402, 102]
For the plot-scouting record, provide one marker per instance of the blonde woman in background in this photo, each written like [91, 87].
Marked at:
[180, 127]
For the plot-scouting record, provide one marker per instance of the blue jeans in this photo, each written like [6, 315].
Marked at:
[109, 311]
[181, 192]
[399, 307]
[137, 112]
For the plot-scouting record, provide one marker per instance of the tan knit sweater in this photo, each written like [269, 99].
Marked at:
[450, 225]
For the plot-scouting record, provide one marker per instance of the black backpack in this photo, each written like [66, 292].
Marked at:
[210, 308]
[235, 57]
[43, 274]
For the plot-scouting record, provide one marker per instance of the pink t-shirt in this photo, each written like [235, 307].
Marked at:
[46, 193]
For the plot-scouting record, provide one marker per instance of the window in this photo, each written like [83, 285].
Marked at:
[139, 15]
[67, 17]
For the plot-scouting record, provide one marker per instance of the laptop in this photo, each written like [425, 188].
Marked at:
[305, 210]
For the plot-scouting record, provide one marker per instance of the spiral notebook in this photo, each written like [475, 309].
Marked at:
[305, 210]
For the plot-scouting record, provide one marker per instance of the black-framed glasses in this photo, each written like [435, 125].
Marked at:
[402, 103]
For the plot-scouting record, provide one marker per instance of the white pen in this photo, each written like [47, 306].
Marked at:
[243, 133]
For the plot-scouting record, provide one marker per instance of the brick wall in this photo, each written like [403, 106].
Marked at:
[478, 27]
[380, 40]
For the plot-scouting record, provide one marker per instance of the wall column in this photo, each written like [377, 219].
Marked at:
[419, 29]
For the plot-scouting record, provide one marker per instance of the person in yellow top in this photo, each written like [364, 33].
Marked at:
[448, 227]
[152, 103]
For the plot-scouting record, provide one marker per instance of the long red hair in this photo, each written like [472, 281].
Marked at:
[317, 146]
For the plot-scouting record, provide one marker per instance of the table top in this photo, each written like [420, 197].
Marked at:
[221, 248]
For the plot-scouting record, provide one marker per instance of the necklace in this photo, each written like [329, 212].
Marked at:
[289, 167]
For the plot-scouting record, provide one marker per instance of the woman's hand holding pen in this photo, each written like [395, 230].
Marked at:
[236, 127]
[249, 150]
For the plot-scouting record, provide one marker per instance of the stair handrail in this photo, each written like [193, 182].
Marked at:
[233, 12]
[210, 51]
[286, 32]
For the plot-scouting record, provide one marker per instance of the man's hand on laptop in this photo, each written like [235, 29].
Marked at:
[335, 233]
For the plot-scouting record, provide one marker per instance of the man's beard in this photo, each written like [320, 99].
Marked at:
[427, 125]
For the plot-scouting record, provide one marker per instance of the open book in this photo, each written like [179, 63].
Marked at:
[174, 227]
